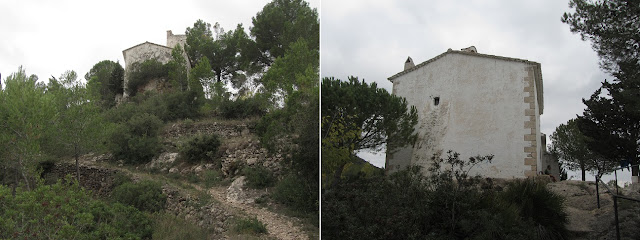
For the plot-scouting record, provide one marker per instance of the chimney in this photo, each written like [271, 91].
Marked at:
[409, 63]
[470, 49]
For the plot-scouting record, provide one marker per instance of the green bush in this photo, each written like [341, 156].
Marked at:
[66, 211]
[211, 178]
[167, 226]
[445, 204]
[243, 108]
[201, 148]
[171, 106]
[145, 195]
[537, 203]
[272, 126]
[258, 177]
[249, 226]
[166, 106]
[142, 73]
[136, 141]
[121, 178]
[296, 193]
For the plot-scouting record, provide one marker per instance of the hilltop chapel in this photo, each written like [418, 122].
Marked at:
[475, 104]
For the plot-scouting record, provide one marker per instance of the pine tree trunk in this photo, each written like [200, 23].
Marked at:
[77, 169]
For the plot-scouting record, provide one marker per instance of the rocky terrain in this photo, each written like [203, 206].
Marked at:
[587, 221]
[210, 207]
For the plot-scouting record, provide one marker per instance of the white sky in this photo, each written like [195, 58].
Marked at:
[50, 37]
[372, 39]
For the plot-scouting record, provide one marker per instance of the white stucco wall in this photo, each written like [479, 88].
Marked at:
[481, 111]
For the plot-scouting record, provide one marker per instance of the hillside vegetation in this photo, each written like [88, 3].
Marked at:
[189, 160]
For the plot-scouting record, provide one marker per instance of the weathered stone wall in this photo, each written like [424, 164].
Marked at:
[474, 105]
[173, 40]
[98, 180]
[193, 209]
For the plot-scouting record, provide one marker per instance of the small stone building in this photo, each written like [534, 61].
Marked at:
[146, 51]
[474, 104]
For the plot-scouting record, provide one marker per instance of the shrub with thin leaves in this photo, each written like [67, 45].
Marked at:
[145, 195]
[66, 211]
[243, 108]
[448, 203]
[170, 227]
[201, 148]
[142, 73]
[258, 177]
[136, 140]
[296, 193]
[211, 178]
[249, 226]
[537, 203]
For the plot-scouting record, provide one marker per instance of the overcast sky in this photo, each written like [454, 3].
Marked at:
[372, 39]
[49, 37]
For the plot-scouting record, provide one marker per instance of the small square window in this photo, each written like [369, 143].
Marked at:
[436, 101]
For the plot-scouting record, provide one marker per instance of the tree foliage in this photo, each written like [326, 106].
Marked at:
[570, 146]
[78, 120]
[383, 119]
[142, 72]
[280, 24]
[136, 140]
[611, 26]
[225, 50]
[295, 70]
[25, 115]
[105, 81]
[359, 116]
[177, 69]
[611, 121]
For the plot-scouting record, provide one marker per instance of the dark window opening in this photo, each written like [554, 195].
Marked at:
[436, 101]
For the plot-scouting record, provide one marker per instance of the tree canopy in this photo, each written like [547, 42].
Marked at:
[25, 114]
[357, 116]
[105, 81]
[612, 26]
[225, 50]
[281, 23]
[611, 119]
[570, 145]
[383, 119]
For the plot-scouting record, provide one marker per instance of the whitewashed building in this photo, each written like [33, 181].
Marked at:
[475, 104]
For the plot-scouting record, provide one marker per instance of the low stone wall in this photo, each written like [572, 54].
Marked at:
[98, 180]
[177, 130]
[205, 213]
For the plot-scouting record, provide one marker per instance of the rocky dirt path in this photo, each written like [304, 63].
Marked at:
[278, 226]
